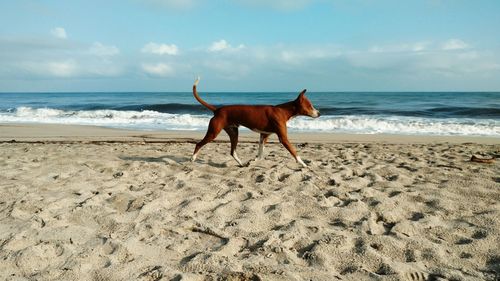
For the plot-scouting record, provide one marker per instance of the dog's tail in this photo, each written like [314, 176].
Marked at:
[195, 93]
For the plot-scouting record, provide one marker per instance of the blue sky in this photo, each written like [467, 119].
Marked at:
[244, 45]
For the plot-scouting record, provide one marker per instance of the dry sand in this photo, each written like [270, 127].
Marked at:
[390, 208]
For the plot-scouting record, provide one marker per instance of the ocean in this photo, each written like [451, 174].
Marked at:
[415, 113]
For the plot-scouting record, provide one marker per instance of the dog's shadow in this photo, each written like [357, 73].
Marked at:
[216, 165]
[176, 159]
[161, 159]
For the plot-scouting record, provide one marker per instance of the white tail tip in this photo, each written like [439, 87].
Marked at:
[196, 81]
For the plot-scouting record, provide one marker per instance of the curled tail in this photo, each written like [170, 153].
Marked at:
[195, 93]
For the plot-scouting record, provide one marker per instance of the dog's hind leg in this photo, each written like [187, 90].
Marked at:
[233, 136]
[262, 141]
[214, 128]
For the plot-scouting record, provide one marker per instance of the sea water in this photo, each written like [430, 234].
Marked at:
[415, 113]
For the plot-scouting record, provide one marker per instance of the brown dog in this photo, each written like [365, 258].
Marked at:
[263, 119]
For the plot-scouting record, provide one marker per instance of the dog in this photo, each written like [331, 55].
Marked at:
[263, 119]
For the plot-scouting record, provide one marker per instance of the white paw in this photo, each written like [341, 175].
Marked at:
[301, 162]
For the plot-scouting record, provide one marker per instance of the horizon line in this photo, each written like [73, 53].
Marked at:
[243, 92]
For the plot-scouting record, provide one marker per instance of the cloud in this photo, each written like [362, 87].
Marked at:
[281, 5]
[219, 46]
[399, 66]
[49, 68]
[222, 45]
[33, 58]
[174, 4]
[435, 62]
[158, 69]
[296, 56]
[101, 50]
[404, 47]
[449, 45]
[59, 32]
[66, 68]
[160, 49]
[454, 44]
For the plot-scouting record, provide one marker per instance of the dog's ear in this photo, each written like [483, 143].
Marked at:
[301, 95]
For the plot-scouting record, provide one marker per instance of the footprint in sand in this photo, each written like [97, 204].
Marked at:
[415, 276]
[40, 256]
[153, 273]
[464, 241]
[385, 269]
[465, 255]
[410, 255]
[394, 193]
[479, 234]
[260, 178]
[283, 177]
[417, 216]
[360, 246]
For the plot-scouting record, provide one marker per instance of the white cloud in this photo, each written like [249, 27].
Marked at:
[174, 4]
[282, 5]
[405, 47]
[101, 50]
[418, 64]
[228, 70]
[307, 54]
[160, 49]
[56, 59]
[54, 68]
[59, 32]
[218, 46]
[223, 45]
[158, 69]
[77, 67]
[454, 44]
[63, 68]
[419, 46]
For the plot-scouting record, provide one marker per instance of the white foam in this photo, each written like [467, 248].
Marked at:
[152, 120]
[398, 125]
[145, 120]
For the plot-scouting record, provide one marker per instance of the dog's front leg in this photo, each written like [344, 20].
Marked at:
[282, 135]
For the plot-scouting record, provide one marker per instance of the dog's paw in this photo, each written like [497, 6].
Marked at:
[193, 157]
[301, 162]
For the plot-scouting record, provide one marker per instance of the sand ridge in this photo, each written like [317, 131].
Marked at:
[365, 211]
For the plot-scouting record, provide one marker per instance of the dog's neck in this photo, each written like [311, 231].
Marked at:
[290, 109]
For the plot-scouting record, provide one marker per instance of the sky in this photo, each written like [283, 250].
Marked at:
[245, 45]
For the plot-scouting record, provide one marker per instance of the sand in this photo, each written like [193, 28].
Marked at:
[85, 203]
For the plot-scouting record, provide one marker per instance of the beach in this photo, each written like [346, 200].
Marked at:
[91, 203]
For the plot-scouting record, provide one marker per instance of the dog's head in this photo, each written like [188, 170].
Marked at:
[305, 107]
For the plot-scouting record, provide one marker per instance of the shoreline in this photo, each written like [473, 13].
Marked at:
[23, 132]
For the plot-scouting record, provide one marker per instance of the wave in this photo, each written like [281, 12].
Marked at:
[154, 120]
[434, 112]
[197, 109]
[401, 125]
[167, 108]
[143, 120]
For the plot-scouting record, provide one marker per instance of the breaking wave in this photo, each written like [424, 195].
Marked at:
[358, 124]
